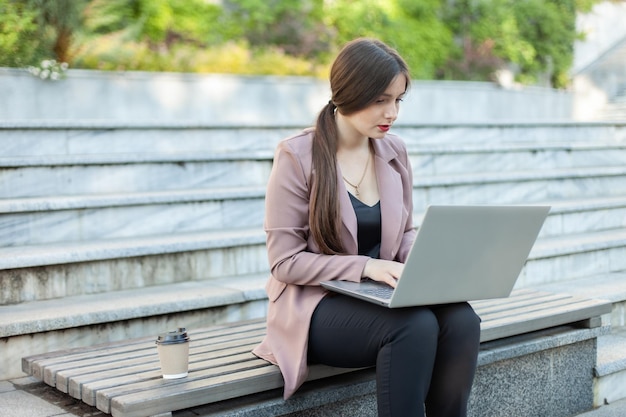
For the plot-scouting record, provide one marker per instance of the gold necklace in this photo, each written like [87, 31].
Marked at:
[356, 187]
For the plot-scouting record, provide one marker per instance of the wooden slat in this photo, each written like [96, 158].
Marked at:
[521, 294]
[49, 367]
[81, 384]
[546, 305]
[124, 378]
[194, 393]
[533, 320]
[209, 390]
[45, 366]
[504, 305]
[90, 389]
[235, 375]
[68, 378]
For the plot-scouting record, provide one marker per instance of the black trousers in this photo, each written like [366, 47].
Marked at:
[425, 357]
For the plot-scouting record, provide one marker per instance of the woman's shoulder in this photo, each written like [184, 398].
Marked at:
[299, 143]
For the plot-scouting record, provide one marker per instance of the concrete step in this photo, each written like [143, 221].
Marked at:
[80, 137]
[87, 309]
[33, 176]
[39, 272]
[504, 186]
[610, 371]
[50, 176]
[577, 216]
[565, 258]
[43, 138]
[433, 160]
[109, 216]
[584, 215]
[43, 326]
[456, 134]
[514, 187]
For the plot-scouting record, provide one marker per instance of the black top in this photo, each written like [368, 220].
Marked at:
[369, 227]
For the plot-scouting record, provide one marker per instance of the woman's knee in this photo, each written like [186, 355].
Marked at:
[459, 319]
[417, 324]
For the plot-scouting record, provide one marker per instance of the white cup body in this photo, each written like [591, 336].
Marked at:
[174, 358]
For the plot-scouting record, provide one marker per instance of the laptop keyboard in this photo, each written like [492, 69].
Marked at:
[384, 292]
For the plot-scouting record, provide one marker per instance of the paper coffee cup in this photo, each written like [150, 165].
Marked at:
[173, 349]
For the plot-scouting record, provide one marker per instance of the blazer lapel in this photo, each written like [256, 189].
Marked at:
[348, 217]
[391, 204]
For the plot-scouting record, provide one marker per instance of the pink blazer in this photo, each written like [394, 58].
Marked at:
[296, 265]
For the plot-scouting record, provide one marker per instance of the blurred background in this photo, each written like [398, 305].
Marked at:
[530, 42]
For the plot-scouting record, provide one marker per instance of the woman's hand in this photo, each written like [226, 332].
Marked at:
[383, 271]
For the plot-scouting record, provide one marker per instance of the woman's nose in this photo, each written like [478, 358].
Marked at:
[391, 111]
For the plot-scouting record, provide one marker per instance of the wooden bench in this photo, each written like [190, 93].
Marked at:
[123, 378]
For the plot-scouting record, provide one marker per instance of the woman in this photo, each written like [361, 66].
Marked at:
[339, 206]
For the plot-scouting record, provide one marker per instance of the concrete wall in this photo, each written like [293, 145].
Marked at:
[251, 100]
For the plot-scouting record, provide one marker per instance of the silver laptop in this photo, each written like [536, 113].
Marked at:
[460, 253]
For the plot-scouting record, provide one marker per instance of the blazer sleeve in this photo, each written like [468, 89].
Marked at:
[292, 254]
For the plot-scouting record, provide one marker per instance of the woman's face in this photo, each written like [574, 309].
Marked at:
[375, 120]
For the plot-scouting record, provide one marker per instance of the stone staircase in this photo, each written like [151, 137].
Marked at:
[616, 108]
[600, 86]
[113, 230]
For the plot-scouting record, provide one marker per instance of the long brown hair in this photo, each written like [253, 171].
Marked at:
[360, 74]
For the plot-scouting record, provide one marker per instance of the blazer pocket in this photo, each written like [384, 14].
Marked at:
[274, 288]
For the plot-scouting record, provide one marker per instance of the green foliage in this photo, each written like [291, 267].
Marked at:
[18, 40]
[296, 26]
[111, 54]
[34, 30]
[57, 22]
[440, 39]
[543, 24]
[534, 36]
[487, 36]
[418, 33]
[159, 21]
[413, 28]
[138, 19]
[163, 35]
[203, 22]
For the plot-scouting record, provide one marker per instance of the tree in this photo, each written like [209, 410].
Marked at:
[57, 22]
[536, 37]
[19, 44]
